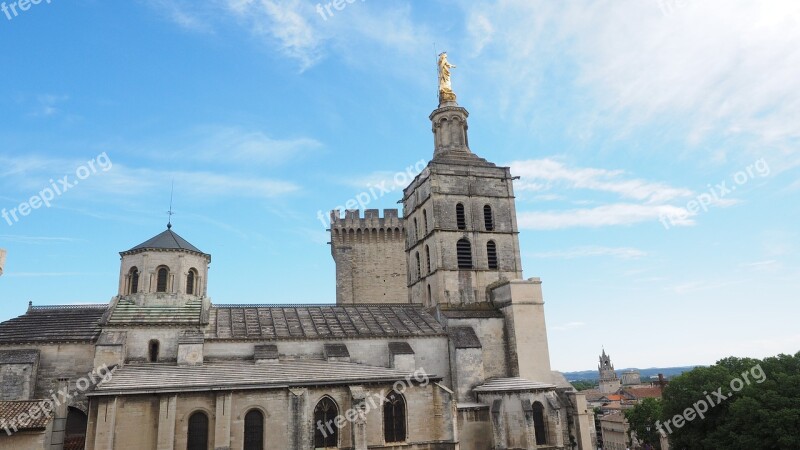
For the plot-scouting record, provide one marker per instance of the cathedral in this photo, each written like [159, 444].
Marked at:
[436, 340]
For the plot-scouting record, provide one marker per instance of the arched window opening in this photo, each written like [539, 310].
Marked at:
[161, 281]
[326, 433]
[394, 418]
[75, 432]
[488, 219]
[254, 430]
[197, 433]
[429, 296]
[464, 254]
[461, 219]
[428, 259]
[425, 221]
[415, 237]
[419, 270]
[152, 350]
[191, 279]
[538, 424]
[134, 277]
[491, 254]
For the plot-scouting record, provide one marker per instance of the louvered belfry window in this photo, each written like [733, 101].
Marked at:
[464, 254]
[461, 219]
[488, 219]
[491, 254]
[197, 438]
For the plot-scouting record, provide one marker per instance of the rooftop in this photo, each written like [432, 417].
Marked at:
[166, 240]
[41, 324]
[512, 384]
[228, 375]
[320, 321]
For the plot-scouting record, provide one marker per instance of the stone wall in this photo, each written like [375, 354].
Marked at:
[140, 423]
[370, 262]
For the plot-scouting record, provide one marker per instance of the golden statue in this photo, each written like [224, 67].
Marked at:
[446, 93]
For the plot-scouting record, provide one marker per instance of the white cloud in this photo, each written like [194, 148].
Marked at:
[187, 16]
[721, 67]
[568, 326]
[541, 174]
[606, 215]
[591, 251]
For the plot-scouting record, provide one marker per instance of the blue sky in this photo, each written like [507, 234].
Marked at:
[619, 116]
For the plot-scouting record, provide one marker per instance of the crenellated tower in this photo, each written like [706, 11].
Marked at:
[369, 256]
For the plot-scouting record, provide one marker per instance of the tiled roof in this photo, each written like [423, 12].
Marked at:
[642, 392]
[19, 356]
[147, 378]
[127, 312]
[74, 323]
[336, 351]
[10, 411]
[512, 384]
[166, 240]
[464, 337]
[320, 321]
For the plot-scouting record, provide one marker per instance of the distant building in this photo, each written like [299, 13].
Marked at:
[614, 429]
[631, 377]
[609, 382]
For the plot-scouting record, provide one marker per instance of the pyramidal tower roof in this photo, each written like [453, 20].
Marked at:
[166, 240]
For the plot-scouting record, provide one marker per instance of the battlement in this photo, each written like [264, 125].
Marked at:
[352, 228]
[352, 219]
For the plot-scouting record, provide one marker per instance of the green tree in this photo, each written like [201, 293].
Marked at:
[582, 385]
[764, 414]
[642, 421]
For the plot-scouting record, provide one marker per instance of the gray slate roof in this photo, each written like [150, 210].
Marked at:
[126, 312]
[166, 240]
[320, 321]
[464, 337]
[40, 324]
[229, 375]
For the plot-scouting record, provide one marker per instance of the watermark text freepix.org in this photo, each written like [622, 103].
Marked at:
[715, 194]
[372, 402]
[21, 5]
[701, 407]
[56, 188]
[362, 199]
[46, 407]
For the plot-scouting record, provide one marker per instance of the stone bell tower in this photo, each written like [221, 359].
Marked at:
[460, 217]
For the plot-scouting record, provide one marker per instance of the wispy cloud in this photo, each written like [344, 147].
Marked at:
[592, 251]
[543, 174]
[192, 17]
[717, 68]
[606, 215]
[568, 326]
[35, 239]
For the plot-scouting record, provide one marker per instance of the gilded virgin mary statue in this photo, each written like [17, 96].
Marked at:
[446, 93]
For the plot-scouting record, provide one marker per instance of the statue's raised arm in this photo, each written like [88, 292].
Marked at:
[446, 93]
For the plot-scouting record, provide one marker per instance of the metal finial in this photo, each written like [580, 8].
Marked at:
[170, 213]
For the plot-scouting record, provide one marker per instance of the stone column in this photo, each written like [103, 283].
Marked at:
[359, 427]
[301, 435]
[166, 422]
[106, 422]
[60, 417]
[222, 422]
